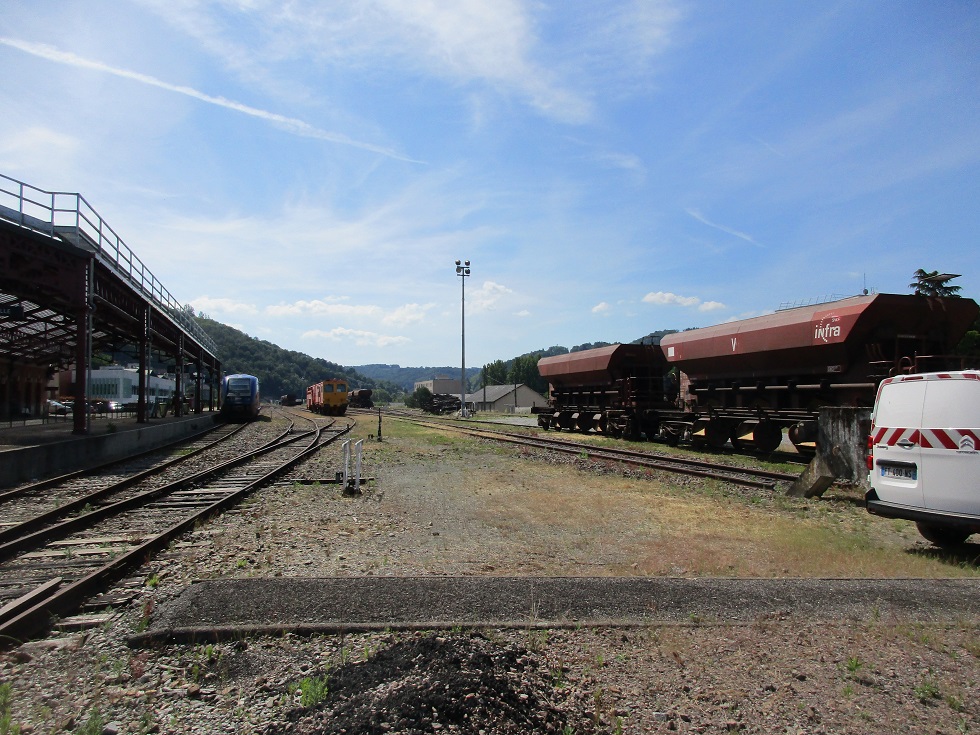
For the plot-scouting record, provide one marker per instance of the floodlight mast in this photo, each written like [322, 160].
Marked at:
[463, 271]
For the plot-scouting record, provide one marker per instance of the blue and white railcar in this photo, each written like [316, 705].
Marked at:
[240, 397]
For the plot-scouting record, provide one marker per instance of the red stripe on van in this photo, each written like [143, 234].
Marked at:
[944, 438]
[894, 436]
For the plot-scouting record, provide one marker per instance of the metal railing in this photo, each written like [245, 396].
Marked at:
[815, 301]
[69, 216]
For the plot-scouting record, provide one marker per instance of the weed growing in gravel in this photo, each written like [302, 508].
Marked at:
[927, 690]
[7, 726]
[537, 640]
[153, 580]
[146, 723]
[954, 702]
[973, 647]
[854, 664]
[144, 621]
[312, 689]
[597, 697]
[94, 725]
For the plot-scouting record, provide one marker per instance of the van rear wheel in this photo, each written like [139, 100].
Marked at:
[944, 536]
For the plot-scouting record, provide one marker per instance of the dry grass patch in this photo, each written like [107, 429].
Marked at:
[524, 512]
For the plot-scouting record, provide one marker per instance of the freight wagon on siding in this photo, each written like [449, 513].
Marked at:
[361, 398]
[328, 397]
[618, 390]
[747, 381]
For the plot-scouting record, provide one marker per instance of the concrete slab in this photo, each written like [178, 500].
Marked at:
[229, 607]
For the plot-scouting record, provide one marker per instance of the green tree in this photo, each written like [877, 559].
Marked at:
[494, 373]
[525, 370]
[933, 283]
[421, 398]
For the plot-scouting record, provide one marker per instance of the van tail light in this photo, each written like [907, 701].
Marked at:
[870, 457]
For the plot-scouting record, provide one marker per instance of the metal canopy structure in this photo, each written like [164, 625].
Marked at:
[70, 287]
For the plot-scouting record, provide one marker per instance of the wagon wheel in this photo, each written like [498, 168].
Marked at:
[768, 436]
[718, 433]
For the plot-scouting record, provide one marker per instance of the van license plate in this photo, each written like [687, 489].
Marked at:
[904, 473]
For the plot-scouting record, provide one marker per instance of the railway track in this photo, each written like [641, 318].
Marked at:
[57, 497]
[747, 477]
[124, 466]
[53, 566]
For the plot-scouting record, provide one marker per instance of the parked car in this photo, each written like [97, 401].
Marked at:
[70, 404]
[56, 408]
[924, 454]
[101, 405]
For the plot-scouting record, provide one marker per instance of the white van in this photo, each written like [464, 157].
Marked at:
[924, 454]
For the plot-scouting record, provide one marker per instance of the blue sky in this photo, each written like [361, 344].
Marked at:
[309, 171]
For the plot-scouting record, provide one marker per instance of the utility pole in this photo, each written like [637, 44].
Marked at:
[463, 271]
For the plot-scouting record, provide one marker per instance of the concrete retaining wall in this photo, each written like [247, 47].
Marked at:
[25, 464]
[843, 442]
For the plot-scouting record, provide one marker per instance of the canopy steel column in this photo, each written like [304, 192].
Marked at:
[83, 348]
[142, 412]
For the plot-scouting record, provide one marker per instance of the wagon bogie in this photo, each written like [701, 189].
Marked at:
[760, 435]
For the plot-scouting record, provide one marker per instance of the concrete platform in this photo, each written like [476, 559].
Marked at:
[235, 607]
[34, 450]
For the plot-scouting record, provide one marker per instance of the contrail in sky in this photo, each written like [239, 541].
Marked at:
[291, 124]
[735, 233]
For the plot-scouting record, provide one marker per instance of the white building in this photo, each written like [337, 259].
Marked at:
[120, 384]
[505, 398]
[440, 384]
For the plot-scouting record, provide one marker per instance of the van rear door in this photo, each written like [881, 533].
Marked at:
[896, 473]
[949, 456]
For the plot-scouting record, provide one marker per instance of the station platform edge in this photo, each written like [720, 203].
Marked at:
[34, 451]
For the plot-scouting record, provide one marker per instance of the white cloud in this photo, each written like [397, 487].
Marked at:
[407, 314]
[289, 124]
[222, 306]
[665, 298]
[625, 161]
[601, 308]
[488, 42]
[487, 296]
[711, 306]
[320, 307]
[39, 143]
[523, 314]
[359, 337]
